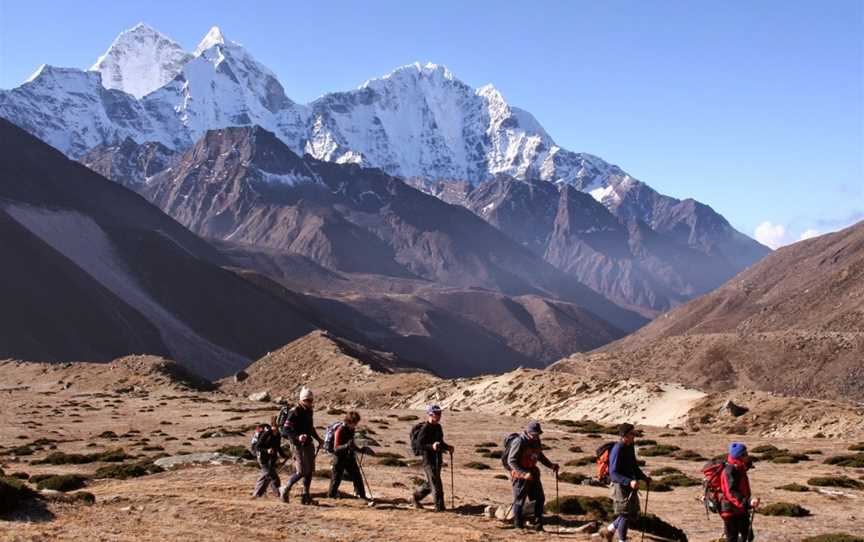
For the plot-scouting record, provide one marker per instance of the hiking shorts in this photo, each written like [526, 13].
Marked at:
[625, 501]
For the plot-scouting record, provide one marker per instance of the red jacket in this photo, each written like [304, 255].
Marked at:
[736, 488]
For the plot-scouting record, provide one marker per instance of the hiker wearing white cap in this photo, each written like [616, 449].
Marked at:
[299, 429]
[427, 440]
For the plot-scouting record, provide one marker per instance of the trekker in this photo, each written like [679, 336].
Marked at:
[736, 501]
[267, 445]
[624, 473]
[345, 458]
[299, 429]
[524, 453]
[430, 441]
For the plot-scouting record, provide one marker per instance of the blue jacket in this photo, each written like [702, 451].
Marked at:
[622, 465]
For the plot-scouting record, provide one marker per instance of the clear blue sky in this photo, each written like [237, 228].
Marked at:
[756, 108]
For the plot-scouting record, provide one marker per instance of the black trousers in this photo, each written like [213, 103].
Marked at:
[736, 528]
[342, 464]
[528, 489]
[432, 484]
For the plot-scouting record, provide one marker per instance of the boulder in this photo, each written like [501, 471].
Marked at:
[262, 396]
[205, 458]
[733, 409]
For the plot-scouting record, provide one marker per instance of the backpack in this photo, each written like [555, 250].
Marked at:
[330, 437]
[713, 493]
[282, 417]
[602, 458]
[508, 444]
[261, 438]
[416, 447]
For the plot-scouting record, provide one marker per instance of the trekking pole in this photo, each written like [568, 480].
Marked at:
[365, 481]
[750, 525]
[558, 503]
[452, 483]
[647, 493]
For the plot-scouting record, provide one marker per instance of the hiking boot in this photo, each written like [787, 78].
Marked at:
[539, 528]
[417, 504]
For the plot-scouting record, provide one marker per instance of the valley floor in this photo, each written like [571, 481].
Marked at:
[213, 502]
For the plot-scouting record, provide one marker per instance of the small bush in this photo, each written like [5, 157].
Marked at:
[107, 434]
[652, 524]
[477, 465]
[857, 447]
[813, 452]
[575, 449]
[12, 492]
[834, 537]
[646, 442]
[679, 480]
[62, 458]
[488, 444]
[851, 460]
[122, 472]
[664, 471]
[783, 509]
[392, 455]
[237, 451]
[572, 477]
[765, 448]
[501, 477]
[335, 412]
[84, 497]
[659, 449]
[581, 461]
[688, 455]
[598, 508]
[835, 481]
[20, 476]
[63, 482]
[392, 462]
[657, 485]
[494, 454]
[481, 451]
[794, 487]
[407, 418]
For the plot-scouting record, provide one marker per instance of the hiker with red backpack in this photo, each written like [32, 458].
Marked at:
[339, 441]
[624, 475]
[522, 452]
[298, 427]
[427, 440]
[267, 447]
[736, 501]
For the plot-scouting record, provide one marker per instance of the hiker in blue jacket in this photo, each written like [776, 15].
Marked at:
[624, 473]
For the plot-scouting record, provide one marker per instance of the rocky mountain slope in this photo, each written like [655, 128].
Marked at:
[793, 323]
[417, 122]
[94, 272]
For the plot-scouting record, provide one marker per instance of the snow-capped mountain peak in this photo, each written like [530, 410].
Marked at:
[213, 37]
[140, 60]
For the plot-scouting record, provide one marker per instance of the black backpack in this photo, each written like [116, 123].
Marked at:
[508, 443]
[282, 417]
[416, 446]
[261, 438]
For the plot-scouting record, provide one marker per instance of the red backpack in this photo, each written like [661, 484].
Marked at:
[713, 493]
[602, 456]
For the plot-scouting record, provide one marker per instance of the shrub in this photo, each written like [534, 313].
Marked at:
[657, 485]
[481, 451]
[572, 477]
[62, 458]
[688, 455]
[107, 434]
[488, 444]
[19, 475]
[407, 418]
[581, 461]
[834, 537]
[659, 449]
[794, 487]
[598, 508]
[575, 449]
[392, 462]
[663, 471]
[133, 470]
[857, 447]
[63, 482]
[477, 465]
[813, 452]
[501, 477]
[335, 412]
[392, 455]
[835, 481]
[851, 460]
[236, 451]
[494, 454]
[646, 442]
[765, 448]
[654, 525]
[679, 480]
[783, 509]
[12, 492]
